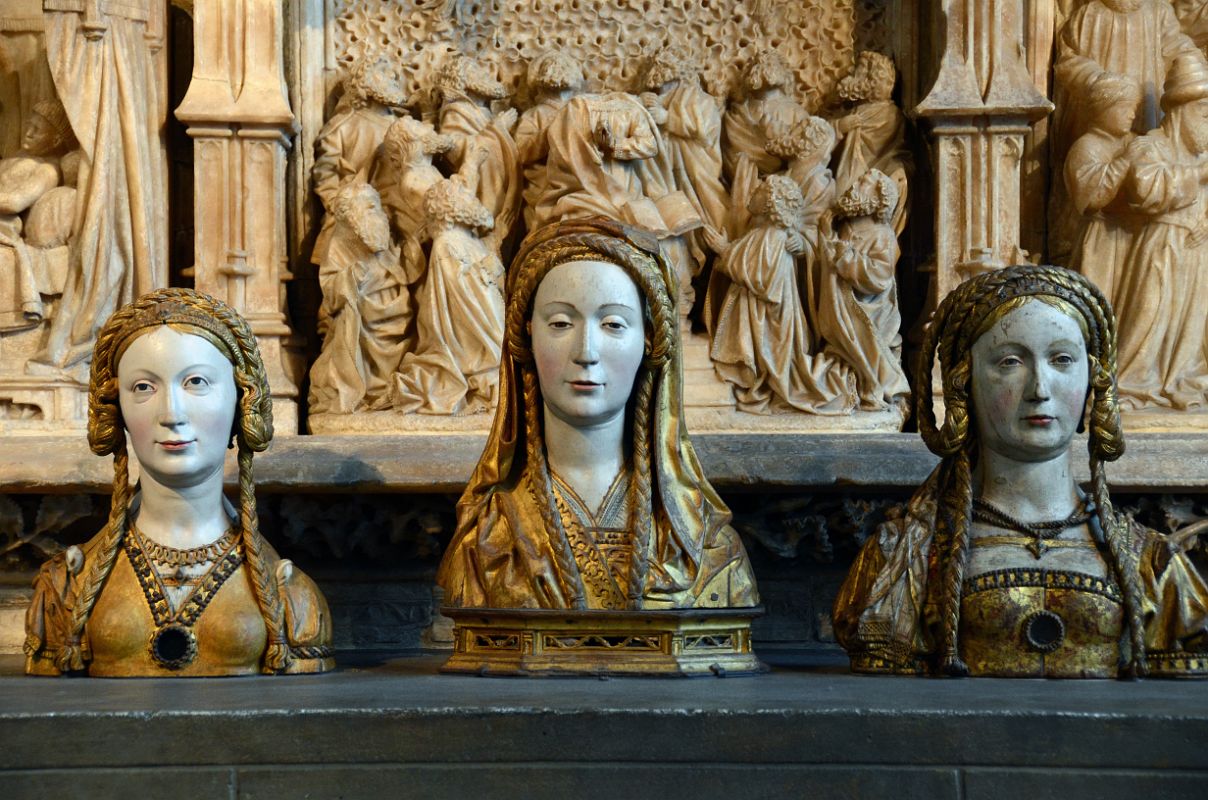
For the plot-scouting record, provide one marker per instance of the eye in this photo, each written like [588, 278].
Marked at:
[560, 322]
[614, 323]
[142, 387]
[1007, 362]
[197, 382]
[1062, 360]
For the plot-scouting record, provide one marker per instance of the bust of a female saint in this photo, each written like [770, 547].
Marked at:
[588, 496]
[179, 582]
[1002, 564]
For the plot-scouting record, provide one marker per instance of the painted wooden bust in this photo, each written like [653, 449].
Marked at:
[179, 582]
[1002, 565]
[589, 494]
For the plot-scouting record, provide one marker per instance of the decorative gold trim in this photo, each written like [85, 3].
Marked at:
[1042, 579]
[555, 642]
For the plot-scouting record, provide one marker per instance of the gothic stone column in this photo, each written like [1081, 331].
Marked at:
[981, 108]
[238, 114]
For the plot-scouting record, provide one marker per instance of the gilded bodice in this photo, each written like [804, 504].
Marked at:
[1032, 622]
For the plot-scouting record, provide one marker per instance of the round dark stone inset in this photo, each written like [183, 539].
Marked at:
[173, 646]
[1045, 631]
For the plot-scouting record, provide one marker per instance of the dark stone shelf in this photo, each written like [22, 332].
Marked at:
[395, 727]
[442, 462]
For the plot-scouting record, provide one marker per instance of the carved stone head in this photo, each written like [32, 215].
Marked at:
[408, 140]
[48, 130]
[812, 139]
[554, 71]
[462, 75]
[767, 70]
[358, 206]
[374, 82]
[874, 195]
[872, 78]
[451, 203]
[669, 65]
[778, 199]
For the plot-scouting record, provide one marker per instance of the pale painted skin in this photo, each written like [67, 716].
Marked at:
[177, 395]
[588, 341]
[1030, 378]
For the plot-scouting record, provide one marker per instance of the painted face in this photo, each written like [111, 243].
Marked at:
[177, 394]
[1030, 376]
[588, 340]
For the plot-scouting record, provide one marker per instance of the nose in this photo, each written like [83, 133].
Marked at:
[586, 353]
[171, 410]
[1040, 387]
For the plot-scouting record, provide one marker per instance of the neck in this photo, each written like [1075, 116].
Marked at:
[182, 517]
[1031, 491]
[587, 458]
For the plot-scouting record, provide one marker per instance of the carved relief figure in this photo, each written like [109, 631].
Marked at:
[607, 158]
[105, 72]
[37, 211]
[1162, 313]
[762, 343]
[1002, 565]
[1096, 168]
[350, 145]
[365, 311]
[765, 110]
[690, 119]
[872, 134]
[466, 89]
[455, 365]
[1136, 38]
[406, 175]
[858, 298]
[179, 582]
[807, 148]
[553, 77]
[588, 494]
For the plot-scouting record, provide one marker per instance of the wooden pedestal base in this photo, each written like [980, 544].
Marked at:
[491, 641]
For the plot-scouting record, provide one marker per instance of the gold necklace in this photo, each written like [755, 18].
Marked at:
[174, 557]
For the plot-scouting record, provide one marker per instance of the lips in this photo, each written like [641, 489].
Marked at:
[176, 444]
[585, 385]
[1039, 419]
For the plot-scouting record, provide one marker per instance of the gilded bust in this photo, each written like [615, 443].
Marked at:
[589, 495]
[179, 582]
[1002, 565]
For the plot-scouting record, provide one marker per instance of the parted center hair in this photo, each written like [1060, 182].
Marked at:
[640, 260]
[198, 314]
[962, 318]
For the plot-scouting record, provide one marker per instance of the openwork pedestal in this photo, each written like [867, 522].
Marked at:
[545, 642]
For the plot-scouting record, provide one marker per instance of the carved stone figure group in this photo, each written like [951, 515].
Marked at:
[459, 176]
[1132, 128]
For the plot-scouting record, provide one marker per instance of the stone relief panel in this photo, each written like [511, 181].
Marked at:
[1129, 193]
[82, 192]
[668, 115]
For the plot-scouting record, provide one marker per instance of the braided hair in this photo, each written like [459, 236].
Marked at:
[965, 314]
[644, 269]
[201, 315]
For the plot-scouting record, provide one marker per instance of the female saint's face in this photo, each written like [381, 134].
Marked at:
[588, 341]
[177, 395]
[1030, 377]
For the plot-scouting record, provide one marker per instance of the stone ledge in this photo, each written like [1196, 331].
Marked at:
[397, 725]
[441, 462]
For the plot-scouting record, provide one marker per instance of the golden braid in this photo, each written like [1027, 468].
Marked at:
[964, 316]
[542, 488]
[264, 580]
[641, 515]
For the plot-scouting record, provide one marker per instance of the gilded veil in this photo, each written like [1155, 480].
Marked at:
[505, 555]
